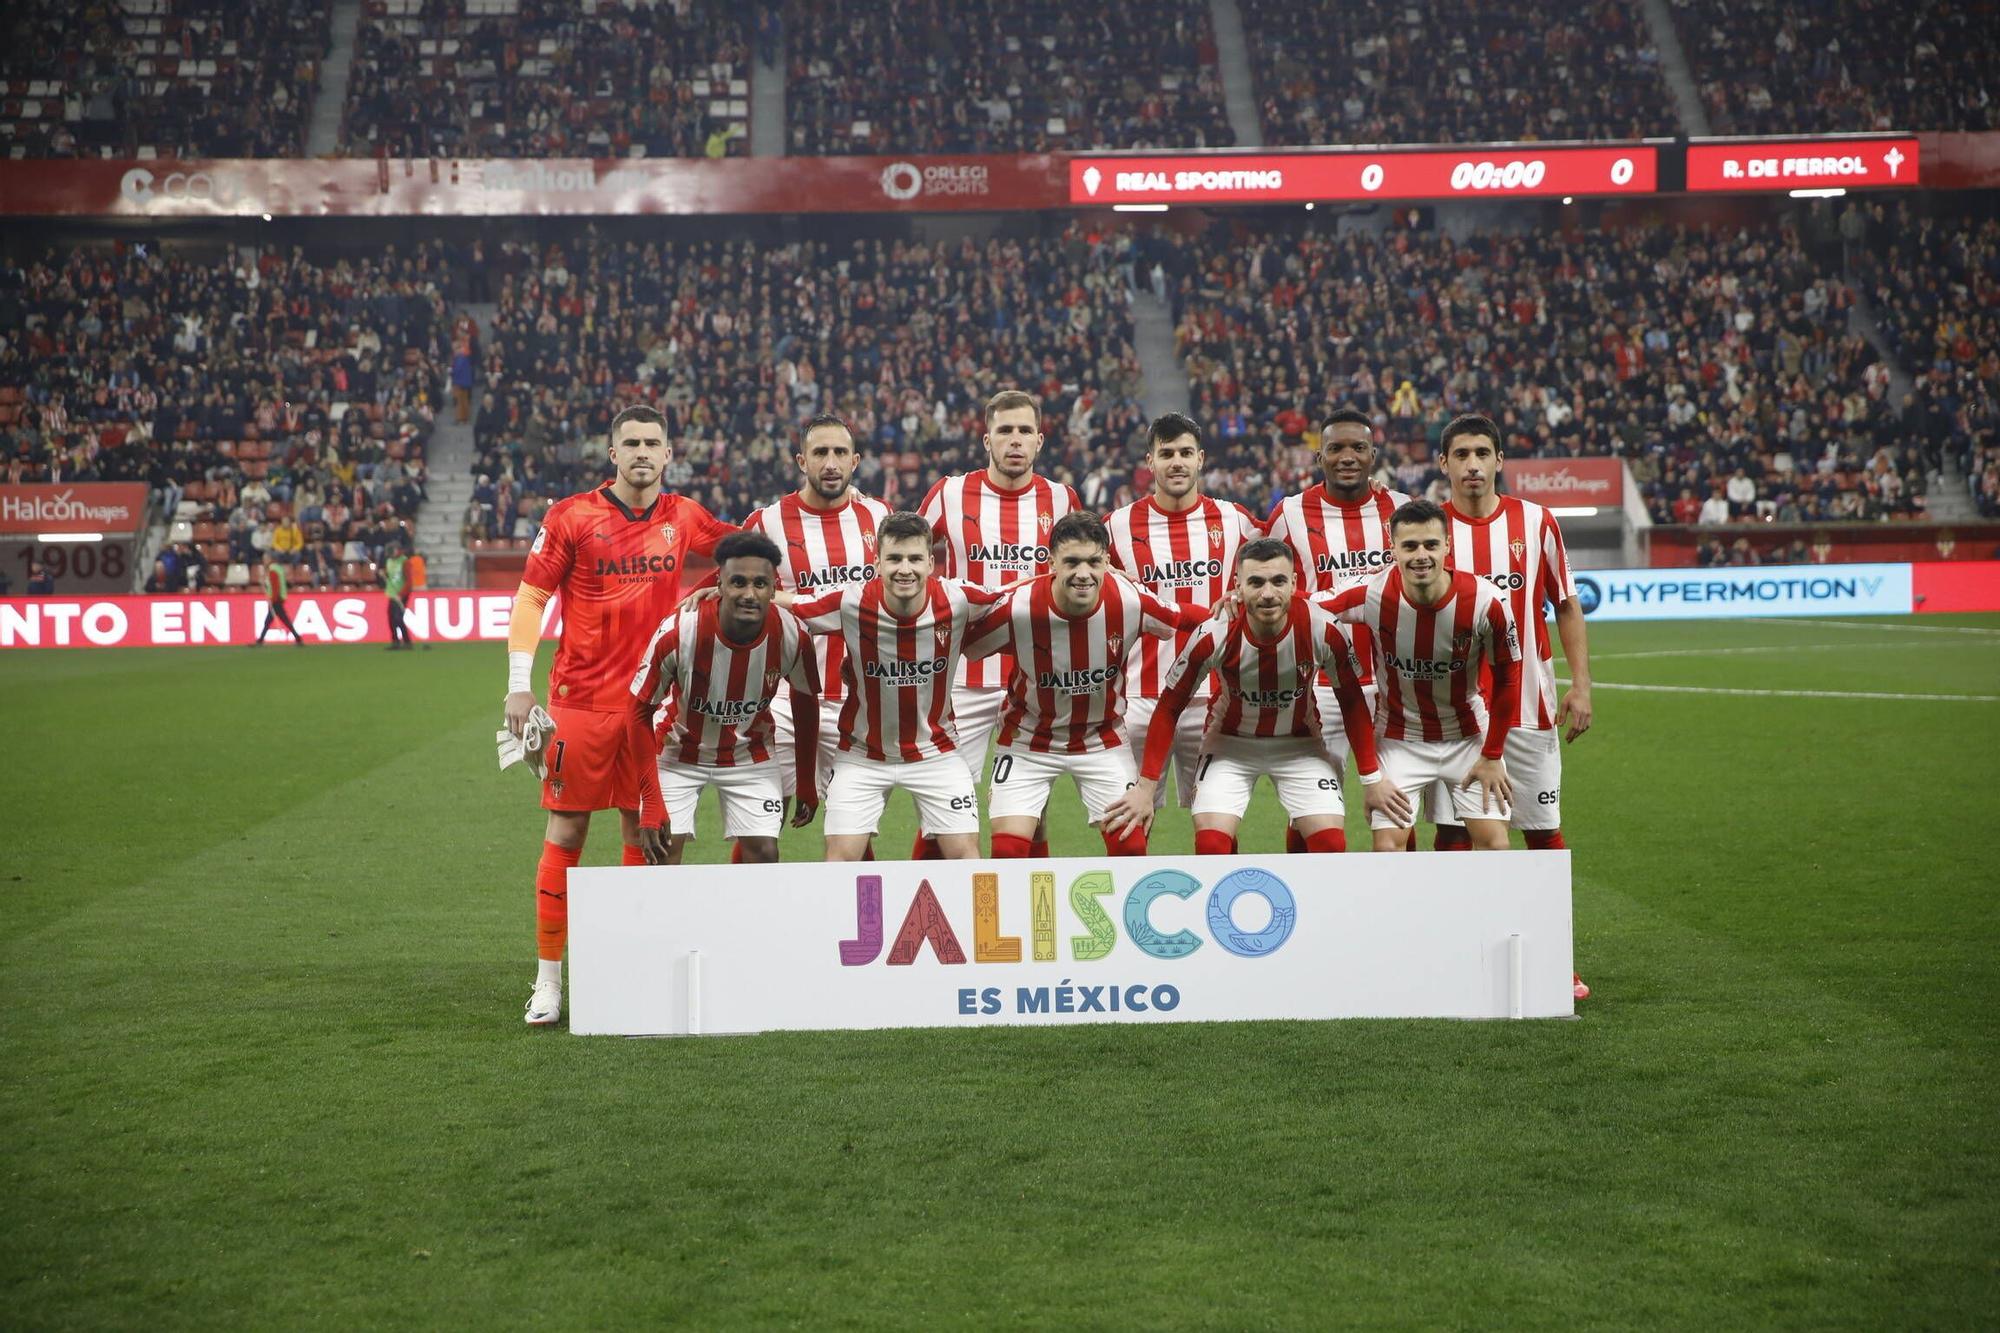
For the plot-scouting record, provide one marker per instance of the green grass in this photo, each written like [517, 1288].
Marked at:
[269, 930]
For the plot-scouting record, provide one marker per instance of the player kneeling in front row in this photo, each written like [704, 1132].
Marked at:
[1070, 634]
[1264, 720]
[1433, 627]
[724, 658]
[903, 633]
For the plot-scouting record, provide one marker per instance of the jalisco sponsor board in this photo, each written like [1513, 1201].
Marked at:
[114, 507]
[1761, 590]
[1802, 164]
[1525, 170]
[1565, 481]
[222, 620]
[713, 949]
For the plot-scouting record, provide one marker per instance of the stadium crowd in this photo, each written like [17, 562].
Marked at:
[278, 407]
[739, 342]
[1718, 364]
[1814, 66]
[165, 78]
[1387, 71]
[533, 78]
[992, 76]
[1935, 285]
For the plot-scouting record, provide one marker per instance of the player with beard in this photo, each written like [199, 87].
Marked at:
[825, 535]
[1517, 546]
[1339, 530]
[1264, 720]
[616, 555]
[992, 529]
[1072, 636]
[1181, 546]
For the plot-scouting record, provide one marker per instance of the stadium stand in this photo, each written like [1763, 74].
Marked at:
[990, 76]
[1398, 71]
[159, 78]
[1718, 365]
[532, 78]
[1815, 66]
[1935, 286]
[739, 342]
[277, 406]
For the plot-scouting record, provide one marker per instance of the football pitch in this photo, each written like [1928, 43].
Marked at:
[269, 931]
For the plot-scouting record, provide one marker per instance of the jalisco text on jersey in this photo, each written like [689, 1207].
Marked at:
[904, 673]
[1007, 553]
[1181, 571]
[1084, 681]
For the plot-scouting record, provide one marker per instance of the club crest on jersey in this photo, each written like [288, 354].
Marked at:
[1305, 670]
[1112, 643]
[941, 631]
[1518, 547]
[667, 533]
[1215, 534]
[868, 546]
[1046, 522]
[1461, 643]
[771, 680]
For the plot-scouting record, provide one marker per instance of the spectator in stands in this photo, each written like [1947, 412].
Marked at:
[1389, 71]
[41, 583]
[993, 76]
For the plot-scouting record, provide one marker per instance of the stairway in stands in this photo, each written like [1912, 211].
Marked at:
[448, 462]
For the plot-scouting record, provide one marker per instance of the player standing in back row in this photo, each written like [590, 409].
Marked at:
[1516, 545]
[1339, 531]
[615, 554]
[992, 529]
[1181, 546]
[825, 535]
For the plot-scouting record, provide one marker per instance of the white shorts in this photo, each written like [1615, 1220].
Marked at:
[1418, 767]
[753, 800]
[1298, 767]
[946, 802]
[1187, 742]
[977, 711]
[1022, 779]
[1534, 766]
[1332, 730]
[782, 740]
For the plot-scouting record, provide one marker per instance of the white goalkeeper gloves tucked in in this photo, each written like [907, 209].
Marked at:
[530, 746]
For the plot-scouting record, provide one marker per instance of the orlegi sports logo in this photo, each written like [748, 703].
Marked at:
[904, 181]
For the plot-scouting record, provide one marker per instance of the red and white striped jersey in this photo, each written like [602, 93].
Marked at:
[820, 550]
[899, 669]
[1187, 558]
[1429, 657]
[1066, 694]
[993, 538]
[1337, 544]
[722, 689]
[1519, 550]
[1265, 687]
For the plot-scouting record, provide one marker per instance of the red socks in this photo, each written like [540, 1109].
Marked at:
[1132, 842]
[1327, 840]
[633, 856]
[1213, 842]
[1451, 838]
[1294, 844]
[552, 900]
[1008, 846]
[925, 849]
[1544, 840]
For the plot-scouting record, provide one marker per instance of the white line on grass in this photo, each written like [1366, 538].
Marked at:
[1797, 694]
[1887, 629]
[1741, 652]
